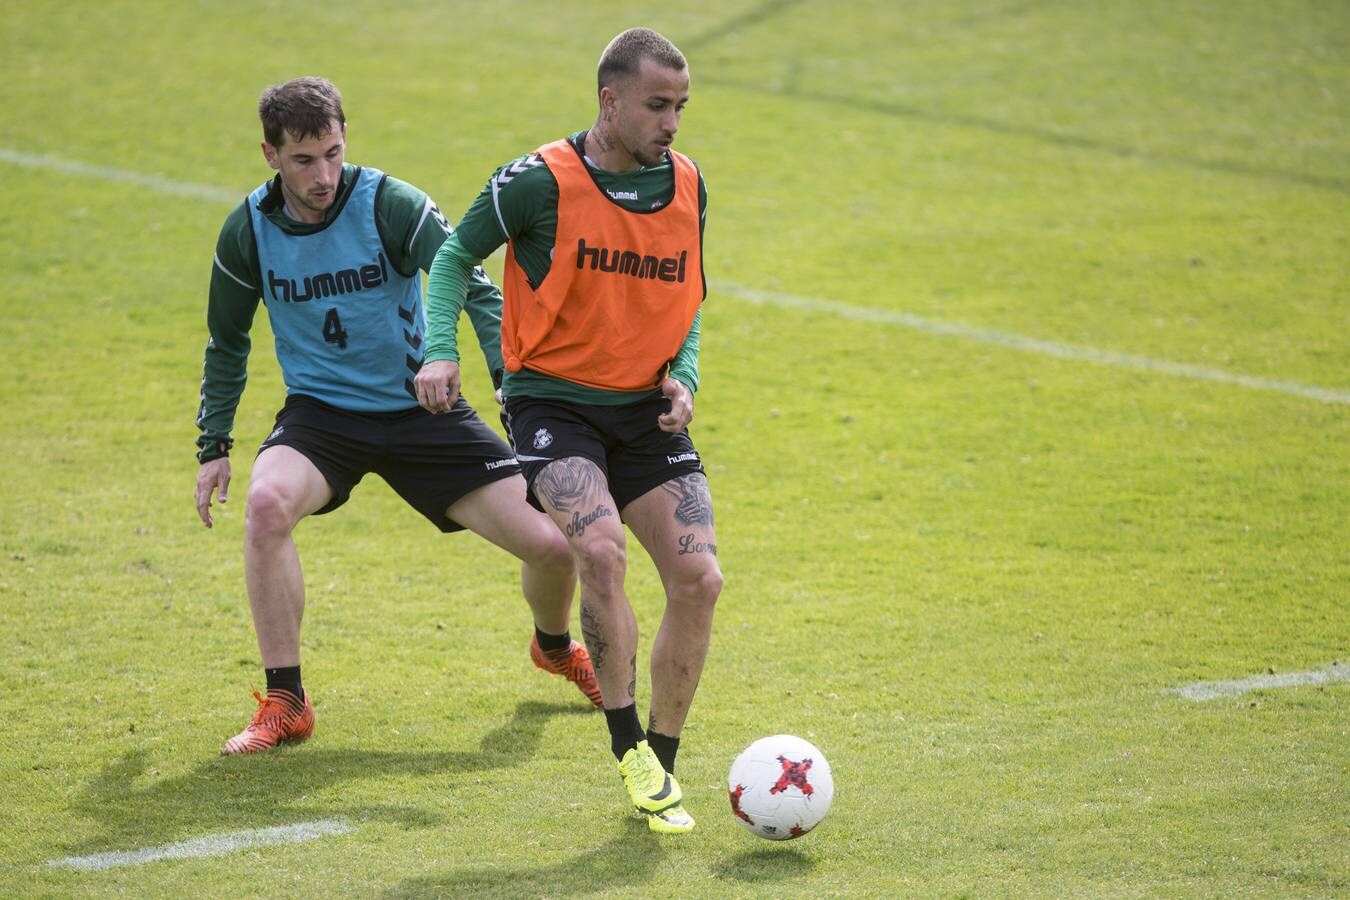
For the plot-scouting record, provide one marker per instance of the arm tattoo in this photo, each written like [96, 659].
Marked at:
[693, 503]
[564, 483]
[590, 630]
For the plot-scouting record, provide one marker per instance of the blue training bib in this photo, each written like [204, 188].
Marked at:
[348, 326]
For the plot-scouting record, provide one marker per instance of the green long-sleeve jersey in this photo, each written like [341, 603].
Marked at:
[519, 204]
[411, 229]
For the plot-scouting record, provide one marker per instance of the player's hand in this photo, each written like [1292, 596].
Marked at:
[437, 385]
[681, 406]
[213, 476]
[501, 401]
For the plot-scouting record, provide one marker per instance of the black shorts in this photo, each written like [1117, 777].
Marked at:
[624, 441]
[429, 461]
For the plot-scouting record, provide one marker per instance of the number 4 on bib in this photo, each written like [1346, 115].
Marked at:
[333, 332]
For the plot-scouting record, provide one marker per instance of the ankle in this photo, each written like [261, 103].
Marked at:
[625, 731]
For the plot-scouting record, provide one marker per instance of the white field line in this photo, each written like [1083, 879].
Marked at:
[1012, 341]
[210, 845]
[1201, 691]
[108, 173]
[938, 327]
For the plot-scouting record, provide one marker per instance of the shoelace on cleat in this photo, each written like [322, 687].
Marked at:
[647, 773]
[281, 709]
[575, 668]
[567, 663]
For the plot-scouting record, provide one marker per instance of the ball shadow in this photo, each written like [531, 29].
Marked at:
[778, 862]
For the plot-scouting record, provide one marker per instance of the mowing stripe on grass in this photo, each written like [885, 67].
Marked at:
[939, 327]
[1012, 341]
[210, 845]
[1201, 691]
[109, 173]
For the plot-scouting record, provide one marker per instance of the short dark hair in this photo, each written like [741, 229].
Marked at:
[304, 107]
[624, 55]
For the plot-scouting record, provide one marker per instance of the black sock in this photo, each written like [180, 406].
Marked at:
[624, 729]
[665, 747]
[286, 678]
[552, 642]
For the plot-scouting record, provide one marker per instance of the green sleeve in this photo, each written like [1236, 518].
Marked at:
[509, 206]
[685, 366]
[519, 203]
[484, 306]
[480, 229]
[411, 226]
[232, 303]
[413, 230]
[447, 291]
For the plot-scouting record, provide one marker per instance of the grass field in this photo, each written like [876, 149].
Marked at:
[1026, 401]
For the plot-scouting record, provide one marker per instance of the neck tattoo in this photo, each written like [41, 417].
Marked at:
[602, 141]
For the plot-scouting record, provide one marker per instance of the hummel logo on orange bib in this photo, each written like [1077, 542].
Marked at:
[623, 288]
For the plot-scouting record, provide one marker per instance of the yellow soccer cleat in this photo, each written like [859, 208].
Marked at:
[671, 821]
[653, 791]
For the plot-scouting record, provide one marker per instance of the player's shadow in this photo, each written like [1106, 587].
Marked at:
[625, 862]
[774, 863]
[133, 807]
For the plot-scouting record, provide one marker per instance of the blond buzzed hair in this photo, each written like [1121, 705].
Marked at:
[624, 55]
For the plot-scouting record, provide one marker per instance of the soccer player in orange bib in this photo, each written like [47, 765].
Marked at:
[602, 295]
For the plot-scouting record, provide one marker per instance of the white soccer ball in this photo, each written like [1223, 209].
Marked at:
[780, 787]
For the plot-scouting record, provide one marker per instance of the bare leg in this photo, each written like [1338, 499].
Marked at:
[499, 512]
[574, 493]
[674, 522]
[283, 488]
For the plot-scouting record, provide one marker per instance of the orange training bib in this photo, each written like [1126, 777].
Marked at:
[622, 290]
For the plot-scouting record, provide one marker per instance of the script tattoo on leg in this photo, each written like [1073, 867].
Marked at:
[577, 527]
[632, 681]
[690, 543]
[566, 482]
[590, 630]
[693, 503]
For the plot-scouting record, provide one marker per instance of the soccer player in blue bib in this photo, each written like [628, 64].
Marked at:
[335, 252]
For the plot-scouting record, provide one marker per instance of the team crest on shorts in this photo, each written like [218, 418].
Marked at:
[542, 438]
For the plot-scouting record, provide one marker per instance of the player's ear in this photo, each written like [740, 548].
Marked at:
[270, 154]
[608, 100]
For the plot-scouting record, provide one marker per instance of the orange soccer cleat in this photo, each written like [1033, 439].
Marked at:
[574, 664]
[281, 716]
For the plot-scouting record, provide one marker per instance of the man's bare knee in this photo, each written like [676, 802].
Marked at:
[601, 562]
[698, 589]
[551, 553]
[268, 513]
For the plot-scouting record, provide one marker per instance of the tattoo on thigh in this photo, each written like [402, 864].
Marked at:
[566, 482]
[690, 543]
[693, 503]
[577, 527]
[590, 630]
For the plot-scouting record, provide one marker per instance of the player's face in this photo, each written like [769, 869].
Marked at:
[310, 170]
[647, 111]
